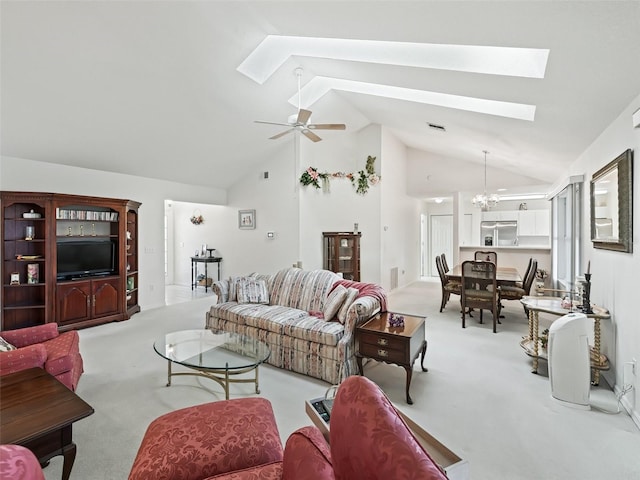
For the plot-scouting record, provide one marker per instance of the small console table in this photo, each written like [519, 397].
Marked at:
[553, 305]
[194, 270]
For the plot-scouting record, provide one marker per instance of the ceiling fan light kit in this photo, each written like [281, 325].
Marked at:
[300, 122]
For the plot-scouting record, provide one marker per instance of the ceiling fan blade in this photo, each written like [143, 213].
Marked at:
[281, 134]
[303, 116]
[327, 126]
[310, 135]
[273, 123]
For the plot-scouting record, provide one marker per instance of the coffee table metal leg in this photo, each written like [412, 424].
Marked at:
[257, 386]
[226, 382]
[69, 455]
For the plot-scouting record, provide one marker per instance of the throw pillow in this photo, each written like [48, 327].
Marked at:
[334, 301]
[252, 290]
[233, 289]
[6, 346]
[352, 293]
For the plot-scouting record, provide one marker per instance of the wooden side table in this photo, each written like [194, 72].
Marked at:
[397, 345]
[37, 412]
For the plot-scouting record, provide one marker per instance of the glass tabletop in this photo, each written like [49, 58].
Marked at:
[210, 349]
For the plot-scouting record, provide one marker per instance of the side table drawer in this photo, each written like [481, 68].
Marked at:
[382, 353]
[383, 341]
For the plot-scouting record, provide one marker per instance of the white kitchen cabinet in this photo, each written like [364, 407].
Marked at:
[534, 223]
[504, 215]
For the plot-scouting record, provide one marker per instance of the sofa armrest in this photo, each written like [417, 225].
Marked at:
[221, 289]
[307, 456]
[361, 310]
[26, 357]
[22, 337]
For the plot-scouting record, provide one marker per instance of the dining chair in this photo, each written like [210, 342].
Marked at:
[516, 293]
[479, 290]
[486, 256]
[448, 287]
[526, 273]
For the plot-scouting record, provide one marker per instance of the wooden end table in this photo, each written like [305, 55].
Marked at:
[397, 345]
[37, 412]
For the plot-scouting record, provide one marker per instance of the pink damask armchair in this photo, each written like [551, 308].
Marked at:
[238, 439]
[44, 347]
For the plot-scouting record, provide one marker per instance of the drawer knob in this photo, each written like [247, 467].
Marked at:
[383, 353]
[383, 341]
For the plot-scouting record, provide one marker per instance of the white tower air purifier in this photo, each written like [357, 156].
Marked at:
[569, 363]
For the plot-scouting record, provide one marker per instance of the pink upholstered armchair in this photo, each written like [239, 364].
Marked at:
[19, 463]
[238, 439]
[42, 346]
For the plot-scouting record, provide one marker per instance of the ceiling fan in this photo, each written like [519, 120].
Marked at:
[300, 121]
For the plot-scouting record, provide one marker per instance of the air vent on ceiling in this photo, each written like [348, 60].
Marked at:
[437, 127]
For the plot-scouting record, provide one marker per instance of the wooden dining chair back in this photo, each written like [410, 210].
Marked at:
[448, 287]
[444, 262]
[517, 293]
[526, 273]
[486, 256]
[479, 290]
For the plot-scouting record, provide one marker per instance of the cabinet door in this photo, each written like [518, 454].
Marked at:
[526, 222]
[106, 295]
[543, 222]
[73, 302]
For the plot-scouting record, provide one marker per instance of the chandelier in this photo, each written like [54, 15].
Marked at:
[483, 200]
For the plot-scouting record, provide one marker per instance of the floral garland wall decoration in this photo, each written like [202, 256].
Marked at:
[362, 180]
[196, 218]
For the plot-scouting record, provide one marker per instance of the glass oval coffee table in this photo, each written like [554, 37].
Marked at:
[219, 356]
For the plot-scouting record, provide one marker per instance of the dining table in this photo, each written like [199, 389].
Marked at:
[505, 276]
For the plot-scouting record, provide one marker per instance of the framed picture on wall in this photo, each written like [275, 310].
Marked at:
[246, 219]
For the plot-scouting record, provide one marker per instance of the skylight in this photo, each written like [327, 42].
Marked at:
[319, 86]
[274, 51]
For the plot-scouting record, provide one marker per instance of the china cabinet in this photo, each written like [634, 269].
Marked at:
[342, 254]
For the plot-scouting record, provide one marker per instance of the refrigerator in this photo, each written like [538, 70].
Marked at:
[499, 233]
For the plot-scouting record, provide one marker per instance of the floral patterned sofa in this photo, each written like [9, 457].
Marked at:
[307, 317]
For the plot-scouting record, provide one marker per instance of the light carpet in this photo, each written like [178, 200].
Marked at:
[478, 397]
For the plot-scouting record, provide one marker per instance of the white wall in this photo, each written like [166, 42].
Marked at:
[400, 216]
[31, 176]
[614, 274]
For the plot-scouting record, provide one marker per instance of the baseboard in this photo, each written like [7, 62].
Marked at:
[626, 404]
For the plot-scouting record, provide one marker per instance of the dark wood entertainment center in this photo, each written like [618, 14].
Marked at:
[34, 292]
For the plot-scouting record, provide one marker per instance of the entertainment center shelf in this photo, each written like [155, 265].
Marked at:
[68, 259]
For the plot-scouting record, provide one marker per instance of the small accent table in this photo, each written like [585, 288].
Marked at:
[398, 345]
[553, 305]
[194, 270]
[37, 412]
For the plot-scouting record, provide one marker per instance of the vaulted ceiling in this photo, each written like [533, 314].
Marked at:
[153, 88]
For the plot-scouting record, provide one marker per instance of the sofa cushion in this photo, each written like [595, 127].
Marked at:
[302, 289]
[239, 312]
[352, 293]
[187, 443]
[275, 318]
[252, 290]
[334, 302]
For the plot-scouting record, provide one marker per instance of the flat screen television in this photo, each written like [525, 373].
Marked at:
[85, 258]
